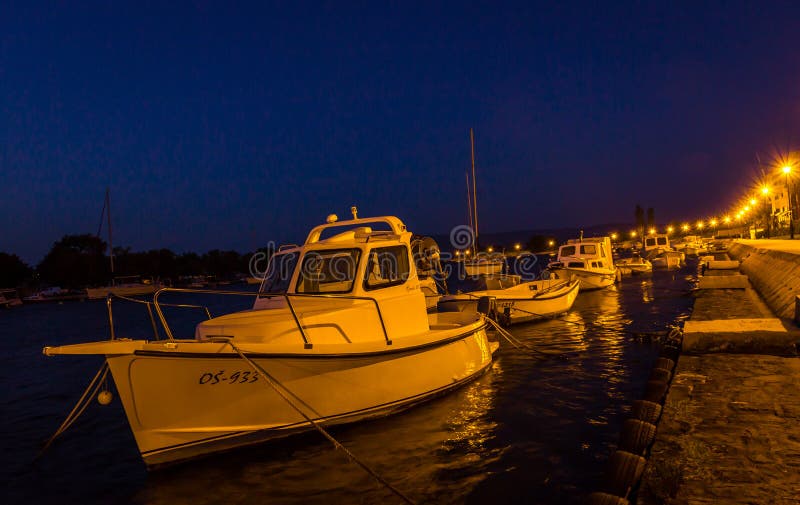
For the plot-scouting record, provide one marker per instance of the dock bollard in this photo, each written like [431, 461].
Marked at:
[624, 471]
[637, 436]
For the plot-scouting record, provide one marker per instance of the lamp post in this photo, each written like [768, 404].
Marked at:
[768, 210]
[786, 171]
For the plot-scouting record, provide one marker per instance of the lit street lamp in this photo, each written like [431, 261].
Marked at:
[786, 171]
[768, 210]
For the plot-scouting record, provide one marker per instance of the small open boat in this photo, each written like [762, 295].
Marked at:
[516, 301]
[634, 265]
[338, 332]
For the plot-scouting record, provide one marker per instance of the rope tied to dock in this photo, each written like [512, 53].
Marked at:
[518, 343]
[277, 386]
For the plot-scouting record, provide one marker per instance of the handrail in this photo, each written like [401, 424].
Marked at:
[307, 344]
[110, 296]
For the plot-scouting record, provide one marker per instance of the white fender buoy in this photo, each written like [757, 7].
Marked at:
[104, 397]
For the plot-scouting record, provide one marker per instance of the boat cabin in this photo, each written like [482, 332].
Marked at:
[351, 268]
[658, 241]
[587, 253]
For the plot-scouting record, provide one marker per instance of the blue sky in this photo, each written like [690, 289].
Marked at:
[219, 126]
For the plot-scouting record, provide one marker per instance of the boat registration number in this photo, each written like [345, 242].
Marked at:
[223, 377]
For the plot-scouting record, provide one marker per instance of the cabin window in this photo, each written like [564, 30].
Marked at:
[386, 266]
[594, 264]
[650, 242]
[600, 264]
[662, 240]
[279, 273]
[576, 264]
[589, 249]
[568, 250]
[328, 271]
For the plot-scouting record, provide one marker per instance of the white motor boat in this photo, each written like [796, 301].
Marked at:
[484, 265]
[658, 251]
[338, 330]
[130, 285]
[587, 259]
[634, 265]
[516, 301]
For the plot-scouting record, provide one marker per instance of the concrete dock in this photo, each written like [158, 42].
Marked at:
[730, 428]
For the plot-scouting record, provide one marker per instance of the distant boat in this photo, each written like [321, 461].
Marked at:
[589, 260]
[634, 265]
[55, 294]
[9, 298]
[129, 285]
[516, 301]
[338, 333]
[658, 251]
[480, 263]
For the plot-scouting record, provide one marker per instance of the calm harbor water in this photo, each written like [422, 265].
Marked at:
[531, 430]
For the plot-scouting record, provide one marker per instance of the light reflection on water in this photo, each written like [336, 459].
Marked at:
[530, 430]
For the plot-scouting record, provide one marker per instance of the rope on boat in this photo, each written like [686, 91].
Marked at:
[80, 406]
[274, 384]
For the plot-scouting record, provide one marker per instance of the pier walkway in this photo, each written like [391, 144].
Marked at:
[730, 428]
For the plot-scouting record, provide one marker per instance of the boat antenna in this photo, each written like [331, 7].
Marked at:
[474, 188]
[354, 210]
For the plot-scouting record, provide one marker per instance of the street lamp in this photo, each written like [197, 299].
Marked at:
[786, 171]
[652, 231]
[685, 228]
[768, 210]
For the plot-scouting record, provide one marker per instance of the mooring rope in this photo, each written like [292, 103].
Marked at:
[274, 383]
[79, 407]
[518, 343]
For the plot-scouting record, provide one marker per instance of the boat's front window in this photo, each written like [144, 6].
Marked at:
[589, 249]
[279, 273]
[568, 250]
[662, 240]
[576, 264]
[650, 242]
[387, 266]
[328, 271]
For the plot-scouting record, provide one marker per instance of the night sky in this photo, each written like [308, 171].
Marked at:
[219, 126]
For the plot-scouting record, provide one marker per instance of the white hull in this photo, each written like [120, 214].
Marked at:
[483, 268]
[634, 266]
[132, 290]
[192, 398]
[589, 279]
[520, 303]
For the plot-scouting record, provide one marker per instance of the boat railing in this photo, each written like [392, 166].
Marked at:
[149, 305]
[307, 344]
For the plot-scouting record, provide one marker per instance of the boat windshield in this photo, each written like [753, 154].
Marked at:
[568, 250]
[279, 273]
[589, 249]
[328, 271]
[662, 240]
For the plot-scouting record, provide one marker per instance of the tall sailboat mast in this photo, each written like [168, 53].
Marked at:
[469, 200]
[474, 190]
[110, 241]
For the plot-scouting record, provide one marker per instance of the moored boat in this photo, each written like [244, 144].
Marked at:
[587, 259]
[634, 265]
[516, 301]
[339, 330]
[9, 298]
[658, 251]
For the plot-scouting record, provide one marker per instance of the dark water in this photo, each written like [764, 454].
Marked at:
[530, 430]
